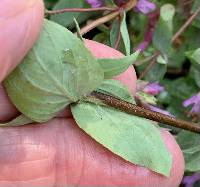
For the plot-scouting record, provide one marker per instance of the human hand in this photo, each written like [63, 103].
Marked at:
[59, 153]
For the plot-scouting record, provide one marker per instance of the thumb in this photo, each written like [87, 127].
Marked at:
[20, 23]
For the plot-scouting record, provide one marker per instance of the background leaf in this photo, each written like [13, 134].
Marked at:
[189, 143]
[133, 138]
[163, 32]
[58, 70]
[125, 35]
[66, 19]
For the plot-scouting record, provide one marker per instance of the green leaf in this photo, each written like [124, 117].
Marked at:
[57, 71]
[157, 73]
[125, 35]
[195, 74]
[114, 67]
[78, 30]
[114, 33]
[194, 56]
[163, 33]
[189, 143]
[133, 138]
[66, 19]
[114, 88]
[18, 121]
[195, 6]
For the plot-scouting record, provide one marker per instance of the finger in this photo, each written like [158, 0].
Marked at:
[20, 23]
[100, 51]
[59, 153]
[7, 109]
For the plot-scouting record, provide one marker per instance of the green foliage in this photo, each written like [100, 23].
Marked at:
[114, 33]
[58, 70]
[189, 143]
[114, 88]
[163, 32]
[125, 35]
[67, 19]
[194, 57]
[123, 133]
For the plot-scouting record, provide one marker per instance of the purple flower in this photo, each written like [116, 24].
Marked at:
[120, 2]
[153, 19]
[156, 109]
[95, 3]
[189, 181]
[145, 6]
[153, 88]
[195, 101]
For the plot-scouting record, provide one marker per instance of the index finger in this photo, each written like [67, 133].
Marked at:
[20, 24]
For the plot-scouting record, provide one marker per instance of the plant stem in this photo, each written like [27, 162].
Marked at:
[53, 12]
[98, 22]
[142, 112]
[147, 69]
[108, 17]
[139, 62]
[186, 24]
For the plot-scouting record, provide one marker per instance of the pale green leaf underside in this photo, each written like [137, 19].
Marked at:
[115, 88]
[114, 67]
[133, 138]
[58, 70]
[18, 121]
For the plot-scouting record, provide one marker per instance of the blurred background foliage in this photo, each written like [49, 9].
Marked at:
[176, 68]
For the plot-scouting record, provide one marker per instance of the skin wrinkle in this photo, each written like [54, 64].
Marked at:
[83, 161]
[19, 170]
[63, 163]
[92, 151]
[22, 151]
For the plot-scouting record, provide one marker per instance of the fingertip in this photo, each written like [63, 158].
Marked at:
[20, 23]
[178, 163]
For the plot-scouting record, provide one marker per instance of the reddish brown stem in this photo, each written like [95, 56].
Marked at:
[53, 12]
[142, 112]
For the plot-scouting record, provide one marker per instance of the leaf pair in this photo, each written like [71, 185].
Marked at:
[59, 71]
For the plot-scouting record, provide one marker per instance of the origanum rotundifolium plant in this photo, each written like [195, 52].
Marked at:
[60, 71]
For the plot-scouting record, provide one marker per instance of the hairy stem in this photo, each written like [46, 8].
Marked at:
[142, 112]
